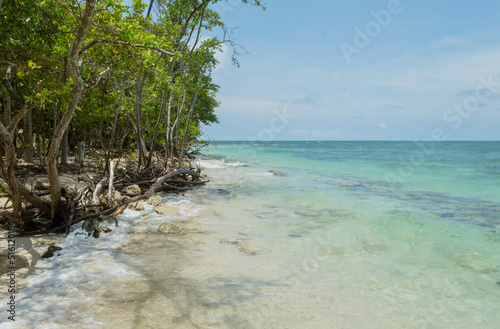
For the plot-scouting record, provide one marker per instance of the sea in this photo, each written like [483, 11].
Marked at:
[309, 234]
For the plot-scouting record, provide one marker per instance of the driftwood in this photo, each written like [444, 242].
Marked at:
[110, 187]
[98, 190]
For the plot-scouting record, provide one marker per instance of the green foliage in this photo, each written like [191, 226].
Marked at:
[35, 44]
[4, 189]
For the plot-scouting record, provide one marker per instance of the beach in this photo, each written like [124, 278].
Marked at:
[293, 235]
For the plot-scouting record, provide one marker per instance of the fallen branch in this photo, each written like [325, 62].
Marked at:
[173, 188]
[110, 187]
[98, 190]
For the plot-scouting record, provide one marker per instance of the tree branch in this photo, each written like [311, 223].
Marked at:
[8, 85]
[123, 43]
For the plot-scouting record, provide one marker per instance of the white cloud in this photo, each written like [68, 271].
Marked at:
[223, 57]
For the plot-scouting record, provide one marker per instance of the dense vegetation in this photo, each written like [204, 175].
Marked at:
[134, 79]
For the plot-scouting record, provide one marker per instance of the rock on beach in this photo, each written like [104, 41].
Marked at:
[132, 189]
[168, 228]
[163, 209]
[154, 200]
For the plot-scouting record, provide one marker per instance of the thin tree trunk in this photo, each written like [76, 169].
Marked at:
[177, 122]
[7, 139]
[7, 167]
[7, 170]
[7, 110]
[110, 187]
[168, 141]
[65, 139]
[113, 130]
[77, 93]
[138, 117]
[100, 122]
[65, 147]
[28, 137]
[191, 110]
[155, 133]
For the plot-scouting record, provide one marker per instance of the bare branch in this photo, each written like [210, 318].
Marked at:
[8, 85]
[96, 81]
[19, 116]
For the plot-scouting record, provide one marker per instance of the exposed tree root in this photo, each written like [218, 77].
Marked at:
[93, 203]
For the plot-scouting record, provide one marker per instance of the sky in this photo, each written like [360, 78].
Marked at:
[360, 70]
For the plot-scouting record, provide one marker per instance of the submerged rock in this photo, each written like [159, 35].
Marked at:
[253, 252]
[7, 265]
[154, 200]
[136, 206]
[351, 184]
[104, 229]
[307, 212]
[277, 173]
[163, 209]
[51, 250]
[132, 189]
[477, 264]
[230, 242]
[169, 228]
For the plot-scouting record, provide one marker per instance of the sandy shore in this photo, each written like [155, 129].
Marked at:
[30, 247]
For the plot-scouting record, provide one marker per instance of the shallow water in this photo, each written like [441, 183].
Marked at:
[348, 235]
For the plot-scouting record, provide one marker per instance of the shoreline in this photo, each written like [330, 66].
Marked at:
[248, 254]
[30, 247]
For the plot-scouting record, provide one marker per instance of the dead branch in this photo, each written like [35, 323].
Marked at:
[110, 187]
[98, 190]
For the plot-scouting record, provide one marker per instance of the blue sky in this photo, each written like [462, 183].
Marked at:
[361, 70]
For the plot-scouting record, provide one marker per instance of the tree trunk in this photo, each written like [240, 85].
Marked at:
[28, 137]
[7, 110]
[80, 153]
[65, 140]
[191, 110]
[7, 170]
[155, 133]
[138, 118]
[65, 148]
[7, 167]
[113, 131]
[77, 93]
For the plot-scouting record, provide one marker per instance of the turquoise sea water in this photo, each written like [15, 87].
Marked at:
[398, 234]
[296, 235]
